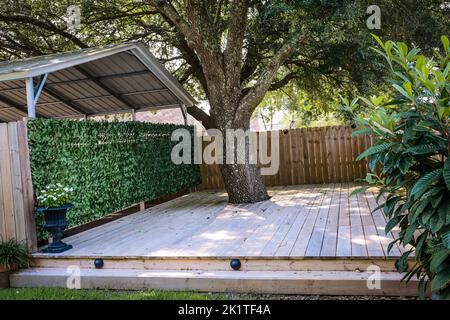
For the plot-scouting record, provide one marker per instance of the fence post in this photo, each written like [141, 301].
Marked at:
[27, 185]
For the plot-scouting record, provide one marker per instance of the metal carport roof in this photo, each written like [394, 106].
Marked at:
[95, 81]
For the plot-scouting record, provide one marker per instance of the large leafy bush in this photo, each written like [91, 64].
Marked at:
[409, 160]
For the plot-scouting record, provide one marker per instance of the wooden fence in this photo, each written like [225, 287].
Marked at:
[312, 155]
[16, 190]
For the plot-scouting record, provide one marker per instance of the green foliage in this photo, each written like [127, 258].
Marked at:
[42, 293]
[110, 166]
[336, 58]
[13, 254]
[55, 195]
[348, 109]
[410, 156]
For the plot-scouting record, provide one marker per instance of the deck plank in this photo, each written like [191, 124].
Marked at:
[373, 241]
[304, 236]
[331, 229]
[317, 236]
[358, 242]
[344, 241]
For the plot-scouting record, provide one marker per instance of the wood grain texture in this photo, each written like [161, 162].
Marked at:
[16, 191]
[304, 221]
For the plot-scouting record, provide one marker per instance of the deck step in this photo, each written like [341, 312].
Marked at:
[274, 282]
[216, 263]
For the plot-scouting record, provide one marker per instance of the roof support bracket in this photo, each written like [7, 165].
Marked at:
[33, 93]
[39, 87]
[184, 112]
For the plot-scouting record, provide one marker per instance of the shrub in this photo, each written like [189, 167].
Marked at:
[409, 160]
[13, 254]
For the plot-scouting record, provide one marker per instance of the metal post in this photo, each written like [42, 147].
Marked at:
[31, 106]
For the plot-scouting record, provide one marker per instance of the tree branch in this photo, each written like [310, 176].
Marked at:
[194, 32]
[254, 96]
[46, 25]
[235, 40]
[201, 116]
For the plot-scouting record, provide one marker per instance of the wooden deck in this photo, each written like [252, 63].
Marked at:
[312, 221]
[311, 239]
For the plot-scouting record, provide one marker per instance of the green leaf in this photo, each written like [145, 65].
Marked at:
[424, 149]
[420, 243]
[374, 149]
[446, 239]
[416, 210]
[402, 262]
[408, 87]
[405, 163]
[424, 182]
[402, 91]
[390, 205]
[362, 131]
[409, 233]
[438, 258]
[378, 40]
[422, 288]
[420, 63]
[445, 43]
[359, 190]
[440, 280]
[403, 48]
[392, 223]
[446, 173]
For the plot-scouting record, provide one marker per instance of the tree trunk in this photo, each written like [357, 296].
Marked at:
[243, 183]
[242, 179]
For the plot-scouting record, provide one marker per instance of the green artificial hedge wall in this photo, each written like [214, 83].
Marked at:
[111, 165]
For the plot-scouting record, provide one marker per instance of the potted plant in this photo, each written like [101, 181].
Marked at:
[13, 255]
[54, 201]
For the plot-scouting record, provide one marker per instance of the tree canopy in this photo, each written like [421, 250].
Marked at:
[336, 55]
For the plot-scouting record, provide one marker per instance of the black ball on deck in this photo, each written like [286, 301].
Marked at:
[354, 125]
[235, 264]
[98, 263]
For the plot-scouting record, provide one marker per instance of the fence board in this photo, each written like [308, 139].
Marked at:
[16, 197]
[312, 155]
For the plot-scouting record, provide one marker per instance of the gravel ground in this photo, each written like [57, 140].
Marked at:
[313, 297]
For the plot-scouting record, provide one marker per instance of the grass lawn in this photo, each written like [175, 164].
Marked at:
[90, 294]
[67, 294]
